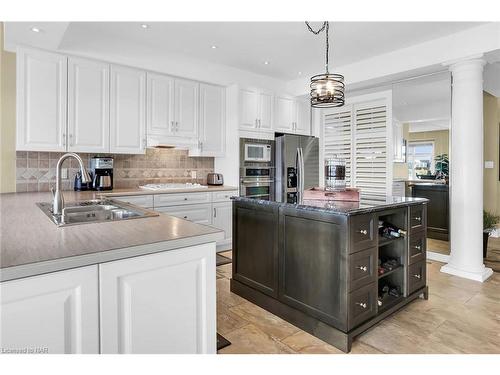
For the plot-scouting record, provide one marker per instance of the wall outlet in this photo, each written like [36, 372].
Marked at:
[489, 164]
[64, 173]
[193, 174]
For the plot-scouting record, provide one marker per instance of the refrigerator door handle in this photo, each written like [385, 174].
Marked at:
[299, 166]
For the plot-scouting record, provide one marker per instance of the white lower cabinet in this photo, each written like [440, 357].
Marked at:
[160, 303]
[223, 219]
[54, 313]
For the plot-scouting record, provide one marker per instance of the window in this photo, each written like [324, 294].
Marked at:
[420, 159]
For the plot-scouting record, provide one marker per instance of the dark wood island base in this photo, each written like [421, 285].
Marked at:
[316, 265]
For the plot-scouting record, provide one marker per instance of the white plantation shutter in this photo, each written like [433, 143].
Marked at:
[358, 133]
[370, 151]
[337, 138]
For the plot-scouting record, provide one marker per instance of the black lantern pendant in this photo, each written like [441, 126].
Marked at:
[327, 90]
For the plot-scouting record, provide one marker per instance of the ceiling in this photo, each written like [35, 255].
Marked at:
[288, 47]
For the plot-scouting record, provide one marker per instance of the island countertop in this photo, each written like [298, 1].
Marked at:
[32, 244]
[365, 205]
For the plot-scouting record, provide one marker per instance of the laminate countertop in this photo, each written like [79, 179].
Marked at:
[32, 244]
[138, 191]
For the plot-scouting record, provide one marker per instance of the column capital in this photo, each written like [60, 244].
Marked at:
[469, 61]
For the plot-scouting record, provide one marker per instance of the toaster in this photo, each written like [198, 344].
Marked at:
[215, 179]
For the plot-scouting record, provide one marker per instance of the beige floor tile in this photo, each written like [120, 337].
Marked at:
[271, 324]
[304, 343]
[251, 340]
[224, 294]
[226, 270]
[228, 321]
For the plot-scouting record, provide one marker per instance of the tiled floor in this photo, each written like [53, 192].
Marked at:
[461, 316]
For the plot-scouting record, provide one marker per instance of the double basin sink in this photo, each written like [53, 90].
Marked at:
[93, 211]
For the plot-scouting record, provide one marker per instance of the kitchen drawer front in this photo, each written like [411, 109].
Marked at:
[418, 247]
[362, 268]
[418, 218]
[362, 305]
[163, 200]
[200, 214]
[363, 233]
[224, 196]
[417, 276]
[138, 200]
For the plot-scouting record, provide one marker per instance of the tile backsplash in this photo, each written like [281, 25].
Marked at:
[36, 171]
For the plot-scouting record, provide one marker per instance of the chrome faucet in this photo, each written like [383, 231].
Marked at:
[58, 203]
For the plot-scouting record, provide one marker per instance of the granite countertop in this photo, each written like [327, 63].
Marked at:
[32, 244]
[365, 205]
[138, 191]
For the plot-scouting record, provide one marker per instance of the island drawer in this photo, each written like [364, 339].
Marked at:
[418, 247]
[363, 232]
[138, 200]
[224, 196]
[416, 276]
[418, 218]
[362, 268]
[162, 200]
[362, 305]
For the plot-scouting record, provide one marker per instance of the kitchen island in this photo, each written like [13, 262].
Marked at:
[144, 285]
[322, 265]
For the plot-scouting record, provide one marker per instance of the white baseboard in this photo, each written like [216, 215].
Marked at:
[438, 257]
[476, 276]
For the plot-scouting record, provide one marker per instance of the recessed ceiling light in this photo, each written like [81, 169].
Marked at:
[299, 73]
[214, 47]
[144, 25]
[35, 29]
[266, 62]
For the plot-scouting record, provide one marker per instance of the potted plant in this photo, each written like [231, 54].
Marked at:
[442, 164]
[489, 222]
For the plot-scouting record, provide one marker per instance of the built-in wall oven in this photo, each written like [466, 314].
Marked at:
[257, 168]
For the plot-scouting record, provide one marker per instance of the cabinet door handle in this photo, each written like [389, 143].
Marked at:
[364, 232]
[256, 123]
[418, 247]
[172, 126]
[71, 139]
[176, 126]
[417, 276]
[417, 218]
[362, 268]
[185, 217]
[64, 139]
[185, 198]
[215, 212]
[259, 123]
[361, 304]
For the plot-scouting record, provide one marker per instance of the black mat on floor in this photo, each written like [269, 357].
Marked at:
[221, 260]
[222, 342]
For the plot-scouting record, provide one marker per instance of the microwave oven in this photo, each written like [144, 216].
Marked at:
[257, 152]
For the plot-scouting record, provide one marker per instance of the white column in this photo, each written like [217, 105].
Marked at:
[466, 172]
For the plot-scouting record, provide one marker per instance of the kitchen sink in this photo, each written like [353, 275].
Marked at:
[94, 211]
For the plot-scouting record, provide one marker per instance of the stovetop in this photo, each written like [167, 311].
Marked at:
[172, 186]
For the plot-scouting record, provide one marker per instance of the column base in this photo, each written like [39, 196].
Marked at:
[476, 276]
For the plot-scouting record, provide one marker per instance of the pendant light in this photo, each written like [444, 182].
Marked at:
[327, 90]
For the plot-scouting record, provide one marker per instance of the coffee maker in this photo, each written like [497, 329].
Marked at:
[102, 173]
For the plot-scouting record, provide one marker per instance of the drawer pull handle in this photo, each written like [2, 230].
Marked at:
[364, 232]
[361, 304]
[417, 276]
[185, 217]
[418, 247]
[185, 199]
[362, 268]
[418, 218]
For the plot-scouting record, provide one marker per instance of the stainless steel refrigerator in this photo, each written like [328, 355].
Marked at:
[297, 166]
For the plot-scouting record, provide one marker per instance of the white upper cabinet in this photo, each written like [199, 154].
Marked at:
[256, 112]
[57, 312]
[292, 115]
[160, 107]
[88, 106]
[128, 110]
[249, 109]
[303, 117]
[212, 130]
[186, 108]
[285, 114]
[41, 101]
